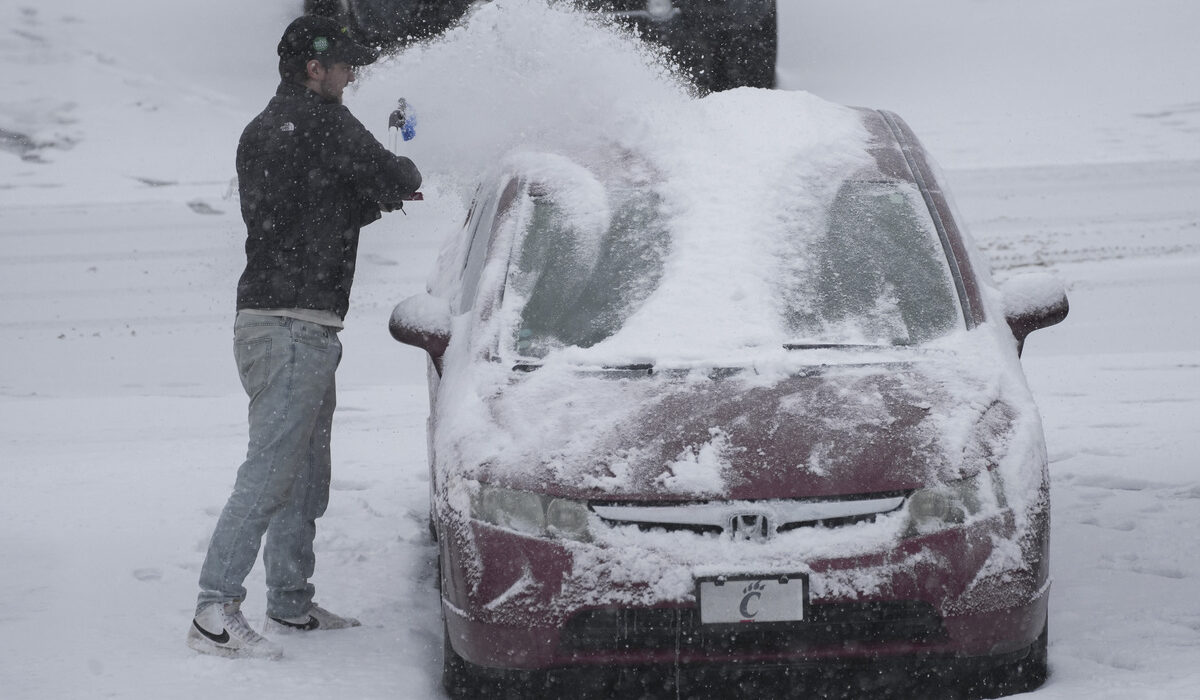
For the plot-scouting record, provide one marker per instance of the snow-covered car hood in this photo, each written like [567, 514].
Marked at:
[819, 431]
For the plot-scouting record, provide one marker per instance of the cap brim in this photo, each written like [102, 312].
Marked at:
[354, 54]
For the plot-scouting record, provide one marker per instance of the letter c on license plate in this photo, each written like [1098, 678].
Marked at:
[743, 599]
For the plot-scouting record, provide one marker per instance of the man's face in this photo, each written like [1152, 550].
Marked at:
[330, 82]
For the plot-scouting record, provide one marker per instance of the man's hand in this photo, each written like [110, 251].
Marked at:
[399, 206]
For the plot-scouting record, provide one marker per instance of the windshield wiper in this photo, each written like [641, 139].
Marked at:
[841, 346]
[647, 367]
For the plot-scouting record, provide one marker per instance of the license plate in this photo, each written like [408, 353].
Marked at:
[742, 599]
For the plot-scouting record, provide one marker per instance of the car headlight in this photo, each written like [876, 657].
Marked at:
[937, 507]
[531, 513]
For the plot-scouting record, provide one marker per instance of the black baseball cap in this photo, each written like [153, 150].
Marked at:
[313, 36]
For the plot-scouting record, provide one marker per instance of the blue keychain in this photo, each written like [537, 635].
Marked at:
[403, 120]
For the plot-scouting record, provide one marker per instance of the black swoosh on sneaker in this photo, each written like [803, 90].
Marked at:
[222, 638]
[308, 625]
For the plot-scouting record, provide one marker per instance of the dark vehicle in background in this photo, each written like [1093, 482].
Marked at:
[392, 23]
[720, 44]
[638, 464]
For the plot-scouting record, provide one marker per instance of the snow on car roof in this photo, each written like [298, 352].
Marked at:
[738, 163]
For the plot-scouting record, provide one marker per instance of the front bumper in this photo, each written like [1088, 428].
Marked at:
[514, 602]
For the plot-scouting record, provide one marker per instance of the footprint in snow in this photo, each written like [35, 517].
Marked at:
[201, 207]
[150, 574]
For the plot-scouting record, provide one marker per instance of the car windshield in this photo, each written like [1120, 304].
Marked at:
[583, 267]
[875, 274]
[867, 268]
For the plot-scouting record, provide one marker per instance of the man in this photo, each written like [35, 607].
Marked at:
[310, 176]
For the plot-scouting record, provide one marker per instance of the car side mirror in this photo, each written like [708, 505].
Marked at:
[423, 321]
[1031, 301]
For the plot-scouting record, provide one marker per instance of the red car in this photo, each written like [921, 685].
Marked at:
[762, 417]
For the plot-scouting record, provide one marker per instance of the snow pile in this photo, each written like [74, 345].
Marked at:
[736, 196]
[698, 468]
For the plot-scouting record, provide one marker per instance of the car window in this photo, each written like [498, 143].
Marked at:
[876, 273]
[578, 278]
[491, 212]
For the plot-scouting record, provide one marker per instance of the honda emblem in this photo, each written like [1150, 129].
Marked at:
[749, 527]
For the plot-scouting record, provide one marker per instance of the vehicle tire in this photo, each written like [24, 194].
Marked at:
[1021, 676]
[462, 679]
[458, 678]
[1031, 672]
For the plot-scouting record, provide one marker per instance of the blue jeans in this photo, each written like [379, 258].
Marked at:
[287, 368]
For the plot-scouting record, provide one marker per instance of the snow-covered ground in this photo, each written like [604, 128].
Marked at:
[1069, 129]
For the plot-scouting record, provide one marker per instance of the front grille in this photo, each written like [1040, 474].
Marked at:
[770, 517]
[844, 521]
[694, 528]
[632, 629]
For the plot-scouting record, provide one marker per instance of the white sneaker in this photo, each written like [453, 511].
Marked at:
[317, 618]
[222, 630]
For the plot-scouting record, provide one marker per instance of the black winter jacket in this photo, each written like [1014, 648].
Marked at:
[310, 176]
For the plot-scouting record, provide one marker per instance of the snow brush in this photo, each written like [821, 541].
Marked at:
[402, 123]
